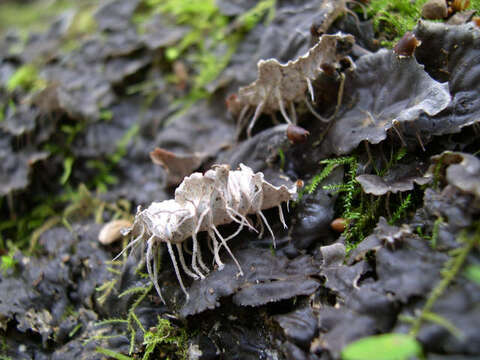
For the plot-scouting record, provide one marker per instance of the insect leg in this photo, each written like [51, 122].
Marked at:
[175, 266]
[224, 243]
[200, 261]
[210, 245]
[151, 273]
[243, 220]
[282, 108]
[197, 229]
[310, 88]
[268, 227]
[242, 116]
[293, 112]
[194, 256]
[262, 228]
[282, 218]
[132, 243]
[155, 276]
[258, 111]
[314, 112]
[216, 250]
[241, 122]
[184, 265]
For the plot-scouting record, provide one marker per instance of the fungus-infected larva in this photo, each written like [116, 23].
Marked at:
[279, 86]
[202, 203]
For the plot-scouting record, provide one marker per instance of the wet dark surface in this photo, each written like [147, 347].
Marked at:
[305, 299]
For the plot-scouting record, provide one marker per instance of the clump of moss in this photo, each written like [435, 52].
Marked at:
[8, 261]
[164, 339]
[26, 78]
[213, 37]
[362, 211]
[392, 18]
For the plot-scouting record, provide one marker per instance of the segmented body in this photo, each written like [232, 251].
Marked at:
[202, 203]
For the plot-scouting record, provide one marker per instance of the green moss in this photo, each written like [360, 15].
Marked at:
[392, 18]
[82, 24]
[472, 272]
[105, 167]
[362, 211]
[112, 354]
[330, 165]
[7, 261]
[401, 210]
[281, 155]
[26, 78]
[475, 5]
[212, 40]
[469, 239]
[166, 338]
[30, 15]
[4, 348]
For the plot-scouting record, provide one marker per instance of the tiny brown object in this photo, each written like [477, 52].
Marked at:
[435, 10]
[328, 69]
[460, 5]
[233, 104]
[177, 166]
[299, 183]
[297, 134]
[406, 46]
[339, 225]
[476, 21]
[111, 231]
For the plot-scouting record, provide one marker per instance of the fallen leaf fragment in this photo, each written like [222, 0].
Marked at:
[111, 231]
[176, 166]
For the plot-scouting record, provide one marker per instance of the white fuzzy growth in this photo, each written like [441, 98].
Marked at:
[203, 202]
[279, 86]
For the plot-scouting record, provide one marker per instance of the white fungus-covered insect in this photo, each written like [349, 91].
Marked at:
[202, 203]
[281, 85]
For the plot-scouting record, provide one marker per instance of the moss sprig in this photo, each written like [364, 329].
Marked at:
[401, 209]
[330, 165]
[450, 270]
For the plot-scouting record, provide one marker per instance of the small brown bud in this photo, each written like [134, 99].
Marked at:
[338, 225]
[233, 104]
[406, 45]
[460, 5]
[297, 134]
[434, 10]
